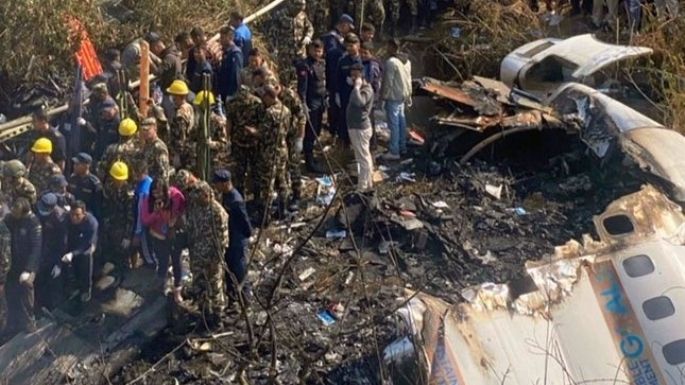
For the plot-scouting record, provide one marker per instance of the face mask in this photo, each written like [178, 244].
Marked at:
[350, 81]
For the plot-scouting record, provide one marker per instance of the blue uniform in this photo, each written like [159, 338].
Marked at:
[240, 231]
[82, 239]
[88, 189]
[334, 49]
[228, 76]
[243, 39]
[344, 89]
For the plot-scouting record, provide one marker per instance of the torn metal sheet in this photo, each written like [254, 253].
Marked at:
[542, 65]
[604, 312]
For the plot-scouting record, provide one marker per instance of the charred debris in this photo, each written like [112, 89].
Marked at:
[477, 228]
[501, 180]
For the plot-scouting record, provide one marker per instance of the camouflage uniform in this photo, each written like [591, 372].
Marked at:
[5, 257]
[218, 142]
[156, 156]
[244, 110]
[124, 151]
[374, 12]
[19, 187]
[318, 13]
[289, 33]
[117, 222]
[40, 173]
[183, 149]
[298, 122]
[273, 152]
[207, 229]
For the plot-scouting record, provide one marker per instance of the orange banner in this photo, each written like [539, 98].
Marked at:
[85, 55]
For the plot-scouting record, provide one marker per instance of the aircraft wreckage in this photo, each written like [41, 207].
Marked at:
[601, 311]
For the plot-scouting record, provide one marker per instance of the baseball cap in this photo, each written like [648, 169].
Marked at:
[46, 203]
[221, 176]
[82, 157]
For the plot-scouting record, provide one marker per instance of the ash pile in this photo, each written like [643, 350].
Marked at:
[327, 284]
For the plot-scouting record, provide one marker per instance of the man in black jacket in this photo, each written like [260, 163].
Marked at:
[54, 221]
[26, 239]
[82, 239]
[311, 86]
[239, 232]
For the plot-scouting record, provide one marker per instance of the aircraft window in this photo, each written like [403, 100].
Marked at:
[638, 266]
[618, 225]
[658, 307]
[674, 352]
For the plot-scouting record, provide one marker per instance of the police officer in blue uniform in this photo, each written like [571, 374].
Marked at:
[311, 87]
[239, 232]
[343, 81]
[82, 241]
[84, 185]
[334, 48]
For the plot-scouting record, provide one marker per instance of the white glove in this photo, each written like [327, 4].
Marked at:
[68, 257]
[357, 83]
[125, 243]
[80, 121]
[306, 40]
[408, 102]
[337, 101]
[56, 271]
[24, 277]
[298, 145]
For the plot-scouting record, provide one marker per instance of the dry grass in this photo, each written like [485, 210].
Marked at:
[667, 74]
[489, 30]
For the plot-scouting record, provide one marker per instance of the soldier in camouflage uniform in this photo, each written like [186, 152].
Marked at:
[183, 150]
[295, 137]
[127, 151]
[318, 13]
[42, 167]
[292, 32]
[117, 222]
[242, 121]
[374, 12]
[15, 185]
[153, 151]
[207, 229]
[217, 141]
[273, 151]
[5, 255]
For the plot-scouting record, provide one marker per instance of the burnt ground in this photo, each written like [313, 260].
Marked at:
[397, 239]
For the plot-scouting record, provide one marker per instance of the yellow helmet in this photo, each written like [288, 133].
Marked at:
[119, 171]
[127, 127]
[200, 98]
[42, 146]
[178, 87]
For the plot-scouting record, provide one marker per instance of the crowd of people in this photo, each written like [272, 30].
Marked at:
[604, 14]
[123, 188]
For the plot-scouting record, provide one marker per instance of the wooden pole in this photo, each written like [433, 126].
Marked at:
[144, 94]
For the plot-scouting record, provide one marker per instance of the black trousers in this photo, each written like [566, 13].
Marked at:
[19, 299]
[313, 129]
[49, 291]
[83, 271]
[165, 249]
[236, 261]
[586, 6]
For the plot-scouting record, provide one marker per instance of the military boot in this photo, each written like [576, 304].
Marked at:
[295, 201]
